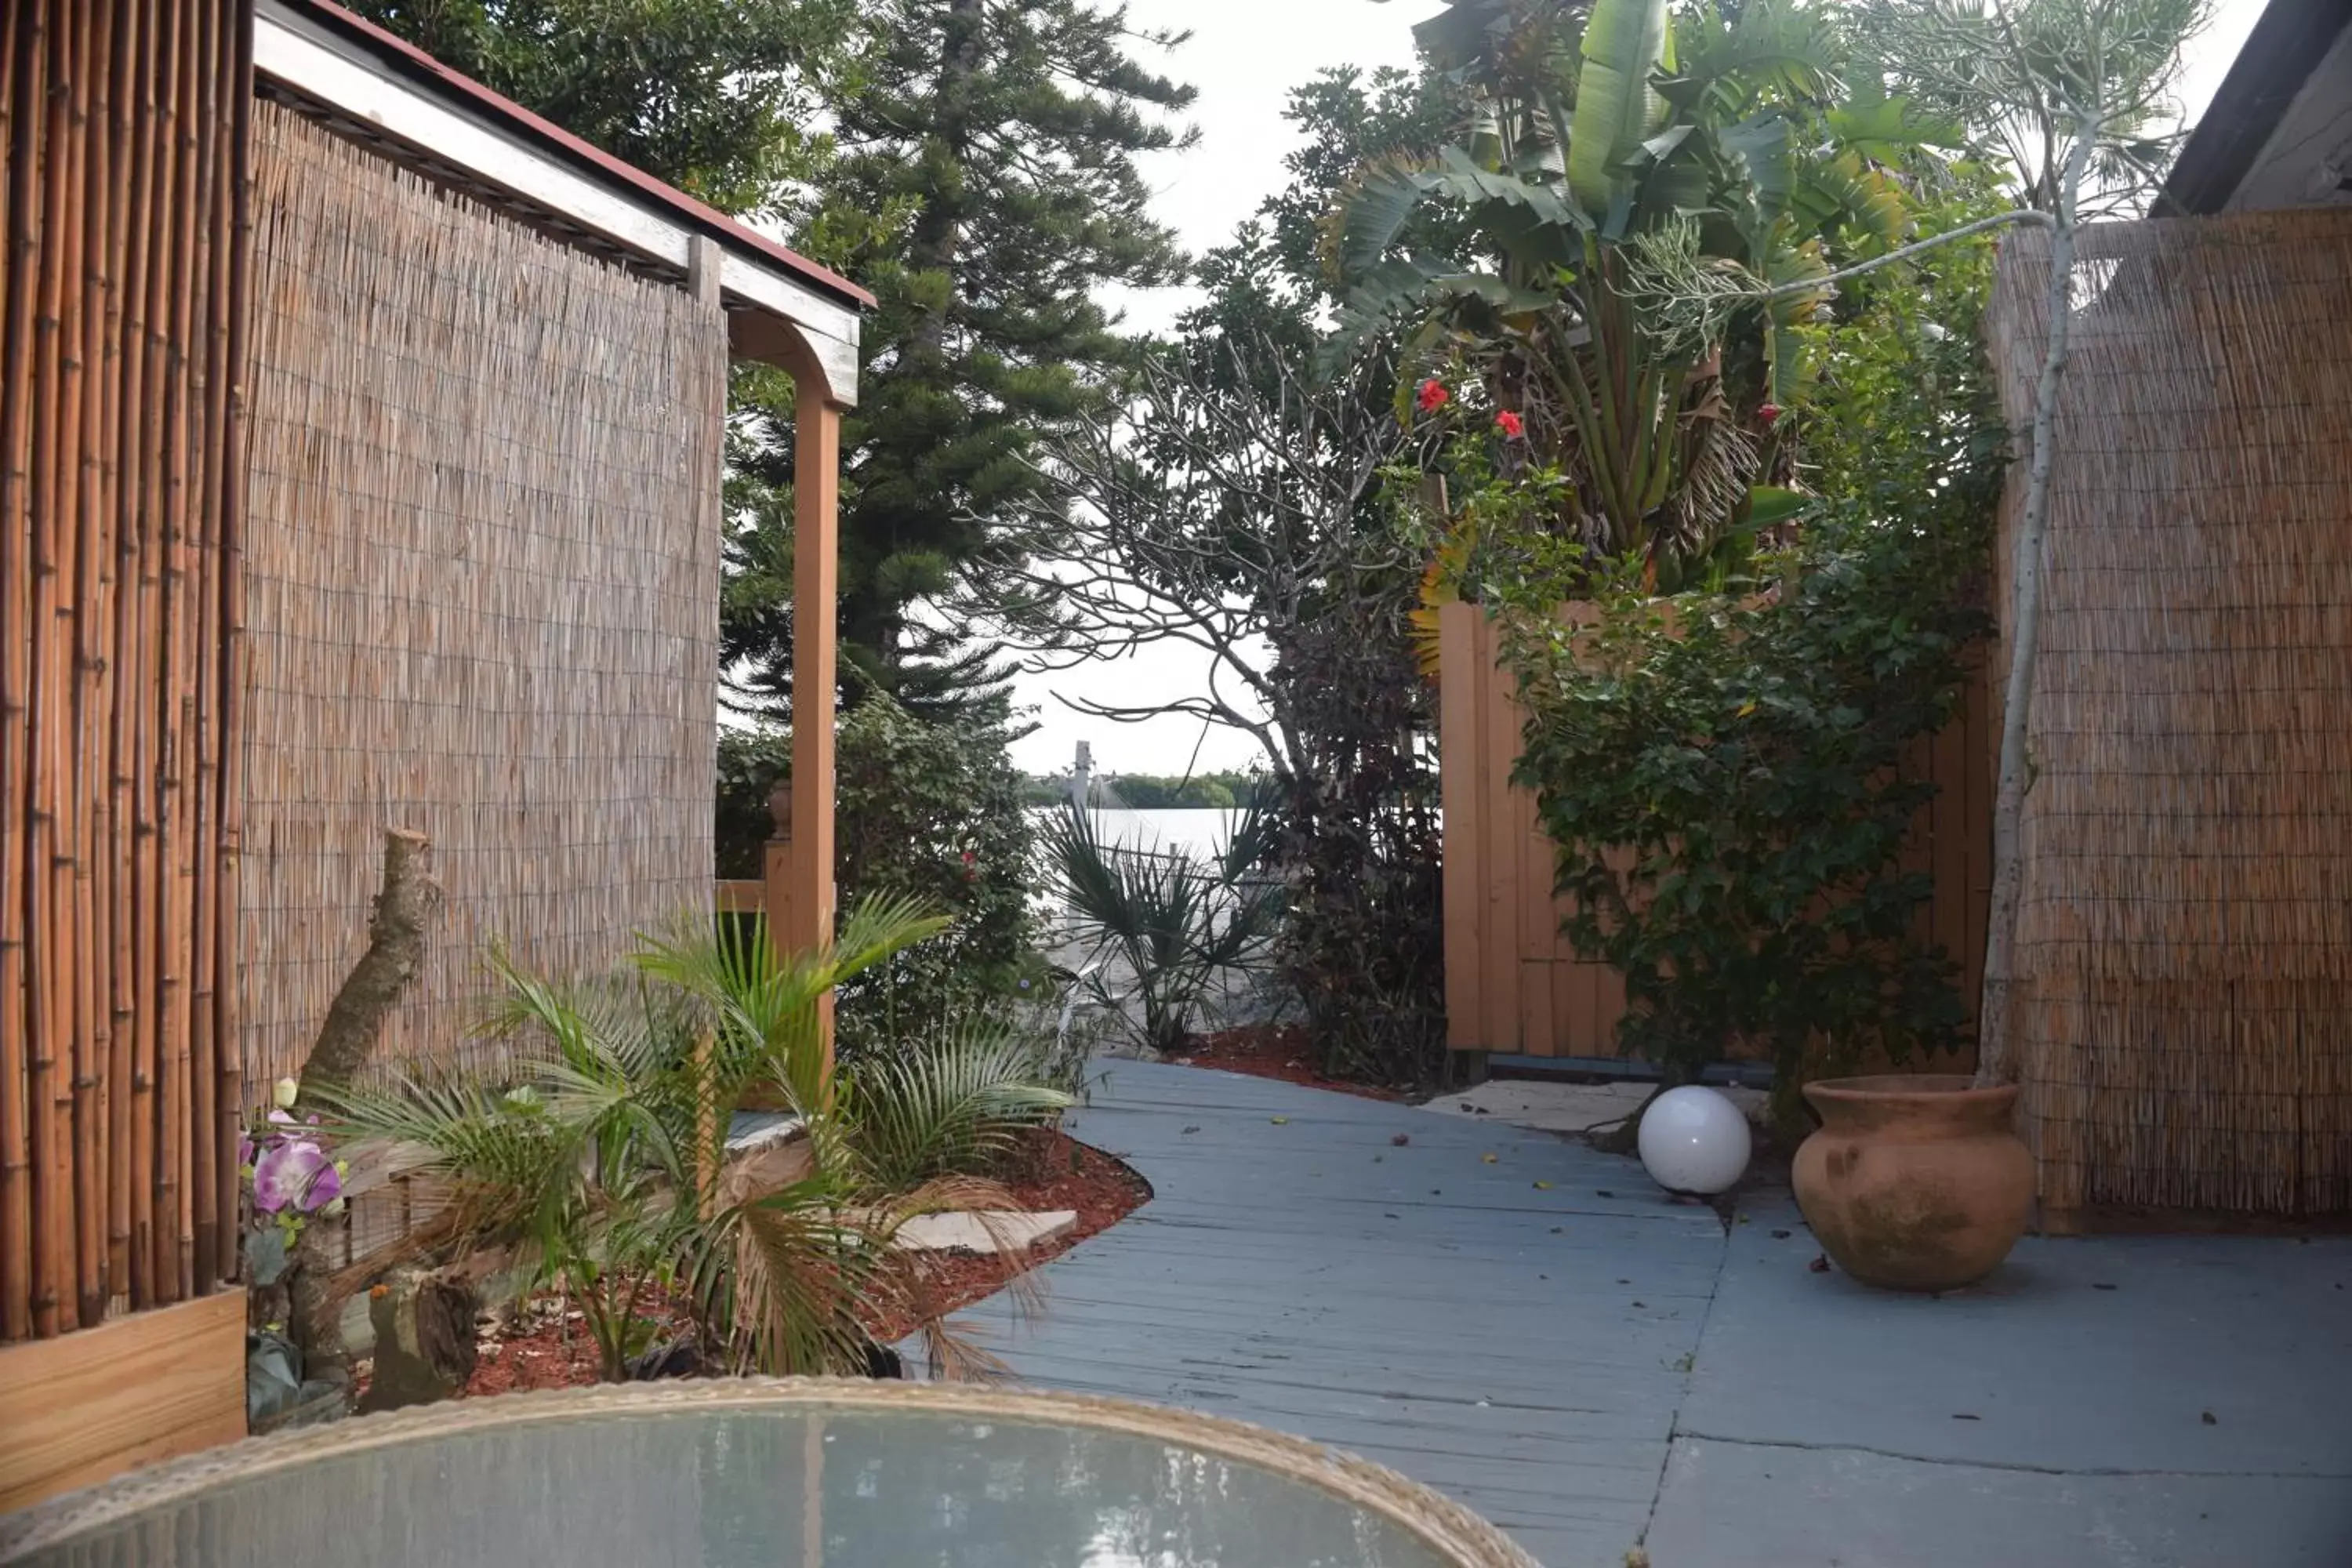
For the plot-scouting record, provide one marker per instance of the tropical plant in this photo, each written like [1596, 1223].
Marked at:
[1649, 140]
[952, 1108]
[1730, 782]
[1240, 506]
[1175, 923]
[1729, 777]
[600, 1157]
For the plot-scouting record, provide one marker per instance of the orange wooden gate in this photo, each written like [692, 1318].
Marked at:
[1513, 983]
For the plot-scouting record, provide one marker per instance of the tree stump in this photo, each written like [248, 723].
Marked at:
[425, 1344]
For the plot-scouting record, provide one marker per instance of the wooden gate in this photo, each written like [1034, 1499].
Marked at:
[1513, 983]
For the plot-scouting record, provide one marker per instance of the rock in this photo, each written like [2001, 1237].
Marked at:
[989, 1234]
[681, 1357]
[425, 1344]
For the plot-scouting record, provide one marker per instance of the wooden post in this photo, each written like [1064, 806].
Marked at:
[776, 870]
[805, 923]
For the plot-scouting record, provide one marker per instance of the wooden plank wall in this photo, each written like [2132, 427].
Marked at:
[141, 1389]
[121, 332]
[1513, 983]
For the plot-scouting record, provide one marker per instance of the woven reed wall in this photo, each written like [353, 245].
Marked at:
[2185, 943]
[1513, 983]
[482, 599]
[120, 299]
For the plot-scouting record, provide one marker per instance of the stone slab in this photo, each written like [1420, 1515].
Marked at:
[1732, 1505]
[2105, 1353]
[960, 1231]
[1567, 1107]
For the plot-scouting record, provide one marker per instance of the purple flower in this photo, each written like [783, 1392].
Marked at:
[295, 1174]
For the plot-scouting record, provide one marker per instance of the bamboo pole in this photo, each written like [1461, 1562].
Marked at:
[231, 697]
[52, 1215]
[104, 369]
[60, 636]
[91, 1037]
[151, 1201]
[176, 1221]
[202, 629]
[131, 44]
[215, 1110]
[134, 761]
[19, 1237]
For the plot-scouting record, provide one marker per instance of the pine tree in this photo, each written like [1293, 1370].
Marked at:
[986, 190]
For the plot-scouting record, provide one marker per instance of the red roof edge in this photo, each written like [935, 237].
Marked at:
[516, 115]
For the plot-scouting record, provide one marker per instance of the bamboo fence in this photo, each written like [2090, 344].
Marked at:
[1513, 983]
[121, 326]
[481, 599]
[2185, 942]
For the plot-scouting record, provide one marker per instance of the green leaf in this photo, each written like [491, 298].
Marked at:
[265, 1255]
[1616, 108]
[1889, 129]
[1769, 505]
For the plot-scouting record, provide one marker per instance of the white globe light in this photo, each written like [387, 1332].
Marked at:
[1693, 1140]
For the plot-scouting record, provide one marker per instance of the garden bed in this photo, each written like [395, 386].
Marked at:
[1272, 1050]
[549, 1347]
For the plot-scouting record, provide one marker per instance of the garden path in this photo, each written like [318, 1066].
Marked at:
[1595, 1367]
[1515, 1331]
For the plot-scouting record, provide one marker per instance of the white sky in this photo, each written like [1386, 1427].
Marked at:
[1245, 57]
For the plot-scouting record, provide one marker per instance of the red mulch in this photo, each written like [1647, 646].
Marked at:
[1050, 1171]
[1277, 1050]
[551, 1346]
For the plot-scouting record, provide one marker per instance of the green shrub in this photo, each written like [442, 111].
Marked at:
[596, 1153]
[930, 809]
[1727, 789]
[1729, 776]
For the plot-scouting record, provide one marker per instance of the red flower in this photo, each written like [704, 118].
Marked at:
[1433, 395]
[1769, 413]
[1510, 425]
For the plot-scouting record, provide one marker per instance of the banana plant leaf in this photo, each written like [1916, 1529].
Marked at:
[1617, 109]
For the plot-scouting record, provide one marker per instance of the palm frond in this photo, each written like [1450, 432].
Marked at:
[950, 1108]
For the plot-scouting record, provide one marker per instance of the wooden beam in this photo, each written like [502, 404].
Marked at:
[807, 922]
[87, 1406]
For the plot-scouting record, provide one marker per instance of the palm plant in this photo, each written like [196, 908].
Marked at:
[599, 1160]
[1176, 923]
[954, 1106]
[1645, 146]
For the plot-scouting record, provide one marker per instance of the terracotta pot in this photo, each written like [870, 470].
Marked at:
[1914, 1181]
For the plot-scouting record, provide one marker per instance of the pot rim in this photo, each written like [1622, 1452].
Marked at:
[1881, 1088]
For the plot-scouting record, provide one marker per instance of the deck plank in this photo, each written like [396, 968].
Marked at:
[1514, 1331]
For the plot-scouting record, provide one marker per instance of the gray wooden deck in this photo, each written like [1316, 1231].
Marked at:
[1516, 1332]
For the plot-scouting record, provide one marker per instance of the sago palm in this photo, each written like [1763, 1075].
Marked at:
[599, 1157]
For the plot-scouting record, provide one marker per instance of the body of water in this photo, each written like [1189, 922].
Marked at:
[1198, 832]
